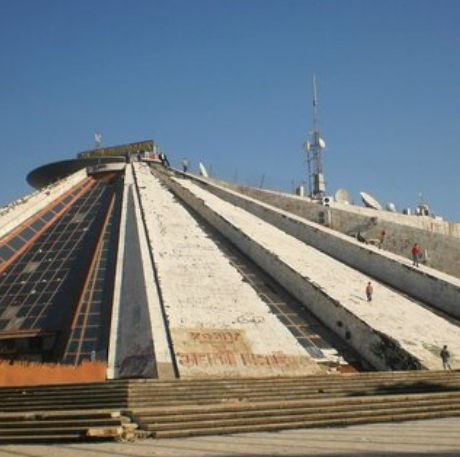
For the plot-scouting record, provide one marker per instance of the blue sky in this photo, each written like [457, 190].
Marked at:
[229, 83]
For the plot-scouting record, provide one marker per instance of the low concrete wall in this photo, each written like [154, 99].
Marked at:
[438, 239]
[437, 290]
[378, 349]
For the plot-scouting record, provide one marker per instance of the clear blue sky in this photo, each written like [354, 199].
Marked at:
[229, 83]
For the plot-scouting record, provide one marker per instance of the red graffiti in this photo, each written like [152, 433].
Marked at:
[215, 337]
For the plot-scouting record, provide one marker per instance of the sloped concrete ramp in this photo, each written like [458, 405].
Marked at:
[392, 326]
[219, 326]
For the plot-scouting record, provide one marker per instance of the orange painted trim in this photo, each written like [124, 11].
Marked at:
[27, 333]
[39, 374]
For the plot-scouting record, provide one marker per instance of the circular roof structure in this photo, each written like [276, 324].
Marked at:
[52, 172]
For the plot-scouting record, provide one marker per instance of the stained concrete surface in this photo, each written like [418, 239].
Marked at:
[433, 438]
[135, 356]
[207, 300]
[417, 329]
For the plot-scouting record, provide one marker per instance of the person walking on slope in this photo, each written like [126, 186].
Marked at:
[415, 255]
[445, 357]
[369, 291]
[382, 237]
[184, 165]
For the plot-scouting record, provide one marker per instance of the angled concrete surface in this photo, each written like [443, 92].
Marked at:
[19, 211]
[419, 331]
[438, 238]
[219, 325]
[135, 354]
[429, 285]
[431, 438]
[136, 317]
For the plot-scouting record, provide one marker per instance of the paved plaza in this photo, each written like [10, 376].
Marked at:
[433, 438]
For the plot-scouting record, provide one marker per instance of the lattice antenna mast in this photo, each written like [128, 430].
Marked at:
[98, 140]
[315, 107]
[316, 181]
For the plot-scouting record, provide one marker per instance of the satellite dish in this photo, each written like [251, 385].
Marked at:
[203, 171]
[391, 207]
[322, 143]
[370, 201]
[343, 196]
[423, 210]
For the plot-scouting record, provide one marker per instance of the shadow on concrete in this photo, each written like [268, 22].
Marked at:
[407, 388]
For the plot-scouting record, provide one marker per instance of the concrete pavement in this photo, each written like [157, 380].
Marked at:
[434, 438]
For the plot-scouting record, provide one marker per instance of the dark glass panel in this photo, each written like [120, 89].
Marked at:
[27, 233]
[6, 252]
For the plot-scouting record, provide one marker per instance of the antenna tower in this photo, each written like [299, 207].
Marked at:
[314, 148]
[98, 140]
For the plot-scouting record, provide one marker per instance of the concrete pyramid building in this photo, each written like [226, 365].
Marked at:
[149, 272]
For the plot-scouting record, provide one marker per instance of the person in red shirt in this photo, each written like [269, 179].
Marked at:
[415, 255]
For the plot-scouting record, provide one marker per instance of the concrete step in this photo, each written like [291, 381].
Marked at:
[250, 418]
[159, 398]
[339, 378]
[42, 438]
[57, 423]
[294, 407]
[31, 393]
[276, 426]
[75, 397]
[112, 385]
[213, 406]
[58, 430]
[61, 405]
[306, 382]
[390, 414]
[261, 390]
[49, 426]
[152, 393]
[313, 380]
[142, 395]
[332, 400]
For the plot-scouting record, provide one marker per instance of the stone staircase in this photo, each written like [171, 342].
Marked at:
[64, 413]
[52, 426]
[132, 408]
[210, 407]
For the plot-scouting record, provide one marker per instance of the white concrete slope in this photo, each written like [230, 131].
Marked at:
[19, 211]
[375, 329]
[219, 325]
[430, 286]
